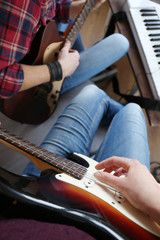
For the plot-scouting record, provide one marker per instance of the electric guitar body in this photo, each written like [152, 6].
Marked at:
[67, 192]
[36, 105]
[50, 200]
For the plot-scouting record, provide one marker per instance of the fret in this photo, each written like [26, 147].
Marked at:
[75, 171]
[55, 159]
[46, 155]
[69, 166]
[84, 15]
[75, 28]
[50, 157]
[65, 165]
[86, 11]
[89, 5]
[80, 21]
[62, 164]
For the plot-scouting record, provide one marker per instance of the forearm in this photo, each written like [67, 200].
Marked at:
[34, 76]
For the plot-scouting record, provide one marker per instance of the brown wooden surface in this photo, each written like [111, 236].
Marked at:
[135, 60]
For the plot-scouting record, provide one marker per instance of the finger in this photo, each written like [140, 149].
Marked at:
[109, 179]
[74, 52]
[119, 172]
[67, 45]
[113, 163]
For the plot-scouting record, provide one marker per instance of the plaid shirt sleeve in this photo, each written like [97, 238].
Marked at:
[11, 79]
[19, 22]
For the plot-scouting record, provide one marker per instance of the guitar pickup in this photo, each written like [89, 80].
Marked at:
[41, 92]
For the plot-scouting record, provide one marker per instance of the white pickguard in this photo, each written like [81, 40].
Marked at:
[112, 197]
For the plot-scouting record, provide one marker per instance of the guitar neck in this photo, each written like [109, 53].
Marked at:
[42, 158]
[79, 21]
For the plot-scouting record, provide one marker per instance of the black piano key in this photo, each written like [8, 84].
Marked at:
[158, 55]
[157, 50]
[152, 28]
[155, 39]
[148, 14]
[154, 35]
[152, 24]
[151, 20]
[156, 46]
[147, 10]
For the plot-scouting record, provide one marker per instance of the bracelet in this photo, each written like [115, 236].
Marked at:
[55, 71]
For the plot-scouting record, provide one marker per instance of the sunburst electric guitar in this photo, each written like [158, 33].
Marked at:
[35, 105]
[69, 192]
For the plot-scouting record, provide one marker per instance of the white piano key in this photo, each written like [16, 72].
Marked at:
[145, 46]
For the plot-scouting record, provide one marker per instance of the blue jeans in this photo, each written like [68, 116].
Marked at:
[76, 127]
[96, 59]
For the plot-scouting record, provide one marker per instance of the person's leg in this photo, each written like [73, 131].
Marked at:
[75, 128]
[96, 59]
[127, 136]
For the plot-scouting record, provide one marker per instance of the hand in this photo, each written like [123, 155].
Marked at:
[69, 59]
[138, 186]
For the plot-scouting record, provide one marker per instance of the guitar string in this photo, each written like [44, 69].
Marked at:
[47, 154]
[106, 185]
[81, 18]
[44, 154]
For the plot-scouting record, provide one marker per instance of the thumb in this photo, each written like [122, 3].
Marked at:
[67, 45]
[101, 176]
[109, 179]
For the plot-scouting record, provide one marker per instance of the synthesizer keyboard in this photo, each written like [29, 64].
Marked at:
[144, 20]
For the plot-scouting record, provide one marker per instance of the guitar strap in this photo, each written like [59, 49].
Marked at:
[147, 103]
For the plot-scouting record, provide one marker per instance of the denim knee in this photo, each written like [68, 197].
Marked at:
[133, 108]
[93, 90]
[134, 111]
[122, 42]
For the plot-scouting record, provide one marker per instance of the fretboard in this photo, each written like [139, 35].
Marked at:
[60, 163]
[78, 23]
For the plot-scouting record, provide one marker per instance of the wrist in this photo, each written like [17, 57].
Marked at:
[55, 71]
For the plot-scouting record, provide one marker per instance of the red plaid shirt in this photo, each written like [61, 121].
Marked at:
[19, 22]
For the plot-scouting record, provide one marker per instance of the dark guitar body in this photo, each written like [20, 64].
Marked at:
[30, 106]
[48, 199]
[34, 106]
